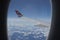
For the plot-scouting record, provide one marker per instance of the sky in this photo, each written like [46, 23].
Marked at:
[35, 9]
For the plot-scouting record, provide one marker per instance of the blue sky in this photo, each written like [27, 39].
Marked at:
[36, 9]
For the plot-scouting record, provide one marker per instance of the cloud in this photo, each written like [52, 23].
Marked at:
[25, 24]
[23, 21]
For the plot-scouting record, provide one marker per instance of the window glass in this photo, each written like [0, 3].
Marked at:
[29, 19]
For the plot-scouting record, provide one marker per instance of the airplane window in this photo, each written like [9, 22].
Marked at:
[29, 19]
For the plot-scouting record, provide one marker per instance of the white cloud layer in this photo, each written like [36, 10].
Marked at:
[24, 21]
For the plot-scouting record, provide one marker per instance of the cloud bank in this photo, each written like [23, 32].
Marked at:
[24, 21]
